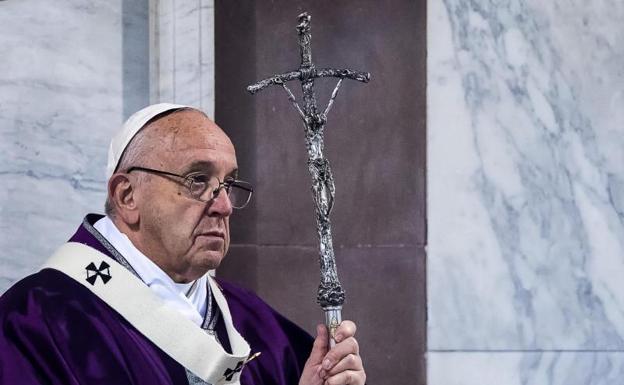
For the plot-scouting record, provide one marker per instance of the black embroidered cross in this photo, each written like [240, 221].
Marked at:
[229, 373]
[93, 272]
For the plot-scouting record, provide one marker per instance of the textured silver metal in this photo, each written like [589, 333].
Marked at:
[330, 294]
[333, 318]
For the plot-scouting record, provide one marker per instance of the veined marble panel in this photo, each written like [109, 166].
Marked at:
[60, 101]
[520, 368]
[526, 176]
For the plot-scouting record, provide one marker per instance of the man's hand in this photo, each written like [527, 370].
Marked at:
[341, 365]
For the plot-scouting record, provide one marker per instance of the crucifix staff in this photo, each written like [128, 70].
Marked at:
[331, 295]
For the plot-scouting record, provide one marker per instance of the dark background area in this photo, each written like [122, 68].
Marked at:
[375, 140]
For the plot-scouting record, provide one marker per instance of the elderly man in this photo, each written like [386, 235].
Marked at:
[128, 300]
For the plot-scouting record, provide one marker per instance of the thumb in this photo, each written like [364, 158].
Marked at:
[319, 349]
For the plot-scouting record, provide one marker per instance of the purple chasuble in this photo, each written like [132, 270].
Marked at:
[53, 330]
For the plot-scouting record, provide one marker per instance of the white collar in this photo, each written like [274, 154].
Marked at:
[191, 305]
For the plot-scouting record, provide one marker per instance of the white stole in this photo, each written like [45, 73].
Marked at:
[176, 335]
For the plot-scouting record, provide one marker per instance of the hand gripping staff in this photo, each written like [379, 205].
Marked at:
[330, 293]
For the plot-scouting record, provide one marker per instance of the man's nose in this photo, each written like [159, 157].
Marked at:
[221, 204]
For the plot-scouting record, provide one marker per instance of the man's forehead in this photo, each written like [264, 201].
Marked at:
[187, 130]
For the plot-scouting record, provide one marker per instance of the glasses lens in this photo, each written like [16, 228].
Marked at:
[205, 188]
[201, 186]
[240, 194]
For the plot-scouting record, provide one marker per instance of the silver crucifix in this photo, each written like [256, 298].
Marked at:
[330, 293]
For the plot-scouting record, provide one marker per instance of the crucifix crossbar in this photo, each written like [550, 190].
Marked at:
[306, 74]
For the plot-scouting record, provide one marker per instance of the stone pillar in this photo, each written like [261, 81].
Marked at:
[182, 53]
[375, 141]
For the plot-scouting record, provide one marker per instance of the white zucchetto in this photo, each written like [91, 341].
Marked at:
[130, 128]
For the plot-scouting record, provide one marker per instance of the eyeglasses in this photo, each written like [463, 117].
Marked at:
[204, 187]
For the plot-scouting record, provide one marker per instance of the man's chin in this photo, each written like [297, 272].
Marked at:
[207, 260]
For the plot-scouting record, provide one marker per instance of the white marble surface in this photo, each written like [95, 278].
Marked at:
[183, 53]
[61, 100]
[525, 177]
[526, 368]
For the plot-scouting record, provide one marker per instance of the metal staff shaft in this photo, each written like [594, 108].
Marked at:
[330, 293]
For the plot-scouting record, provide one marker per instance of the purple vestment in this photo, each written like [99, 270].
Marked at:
[53, 330]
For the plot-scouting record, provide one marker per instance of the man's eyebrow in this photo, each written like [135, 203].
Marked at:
[207, 166]
[200, 165]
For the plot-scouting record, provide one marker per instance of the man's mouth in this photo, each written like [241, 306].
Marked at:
[213, 233]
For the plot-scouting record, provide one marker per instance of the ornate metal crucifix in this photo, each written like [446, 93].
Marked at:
[330, 294]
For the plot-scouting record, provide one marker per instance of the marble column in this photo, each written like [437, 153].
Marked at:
[525, 192]
[182, 53]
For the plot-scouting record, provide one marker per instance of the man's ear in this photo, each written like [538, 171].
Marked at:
[122, 193]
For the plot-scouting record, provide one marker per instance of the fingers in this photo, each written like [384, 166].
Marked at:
[350, 377]
[342, 364]
[338, 352]
[319, 348]
[350, 362]
[345, 330]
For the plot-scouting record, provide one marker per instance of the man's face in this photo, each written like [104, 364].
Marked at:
[184, 236]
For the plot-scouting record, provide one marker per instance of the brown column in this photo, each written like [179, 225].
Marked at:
[375, 141]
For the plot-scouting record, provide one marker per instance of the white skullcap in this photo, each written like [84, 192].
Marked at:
[129, 130]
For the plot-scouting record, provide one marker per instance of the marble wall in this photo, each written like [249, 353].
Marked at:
[71, 72]
[60, 101]
[525, 192]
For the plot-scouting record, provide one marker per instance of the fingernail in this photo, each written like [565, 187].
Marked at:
[327, 364]
[338, 337]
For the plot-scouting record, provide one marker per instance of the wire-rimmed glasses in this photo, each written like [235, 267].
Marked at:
[205, 187]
